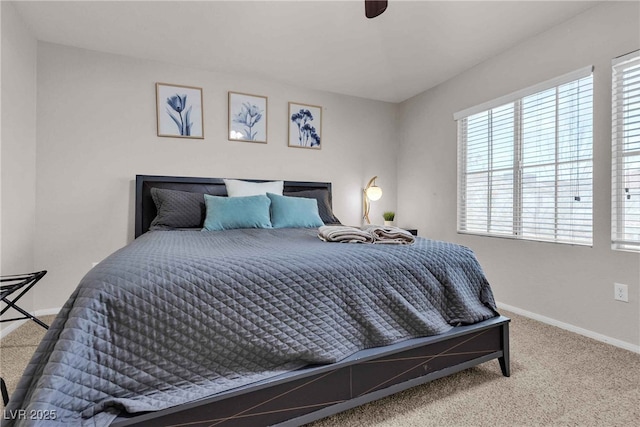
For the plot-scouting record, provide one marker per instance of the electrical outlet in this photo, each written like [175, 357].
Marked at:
[620, 292]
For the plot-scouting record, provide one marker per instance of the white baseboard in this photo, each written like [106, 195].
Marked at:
[571, 328]
[15, 325]
[48, 312]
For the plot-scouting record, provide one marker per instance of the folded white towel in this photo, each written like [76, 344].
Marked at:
[344, 234]
[367, 234]
[389, 234]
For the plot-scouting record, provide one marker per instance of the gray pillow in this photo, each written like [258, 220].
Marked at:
[324, 207]
[177, 209]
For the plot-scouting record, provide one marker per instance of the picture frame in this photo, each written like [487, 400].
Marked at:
[305, 126]
[179, 111]
[247, 117]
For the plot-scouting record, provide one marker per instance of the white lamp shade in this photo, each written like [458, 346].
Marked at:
[374, 193]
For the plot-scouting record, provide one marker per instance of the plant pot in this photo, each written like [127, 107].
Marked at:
[388, 223]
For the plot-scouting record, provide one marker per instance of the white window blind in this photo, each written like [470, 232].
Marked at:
[626, 153]
[525, 166]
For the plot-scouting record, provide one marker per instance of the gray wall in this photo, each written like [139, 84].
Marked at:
[18, 147]
[97, 129]
[570, 284]
[1, 37]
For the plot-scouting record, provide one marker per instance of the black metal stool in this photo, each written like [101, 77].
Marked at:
[11, 284]
[8, 286]
[4, 392]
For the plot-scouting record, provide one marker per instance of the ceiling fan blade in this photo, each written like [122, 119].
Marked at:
[373, 8]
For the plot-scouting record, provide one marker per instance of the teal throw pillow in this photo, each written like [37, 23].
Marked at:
[294, 212]
[226, 213]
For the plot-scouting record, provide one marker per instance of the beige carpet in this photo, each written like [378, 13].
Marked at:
[557, 379]
[17, 348]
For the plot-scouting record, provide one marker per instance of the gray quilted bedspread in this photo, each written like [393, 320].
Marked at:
[179, 315]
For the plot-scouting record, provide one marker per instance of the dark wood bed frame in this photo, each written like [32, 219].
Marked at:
[316, 392]
[146, 209]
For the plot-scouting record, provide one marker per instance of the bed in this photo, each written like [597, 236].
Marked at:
[251, 327]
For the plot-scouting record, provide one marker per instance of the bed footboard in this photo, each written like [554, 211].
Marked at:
[312, 393]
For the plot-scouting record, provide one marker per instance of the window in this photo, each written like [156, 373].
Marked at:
[626, 153]
[525, 163]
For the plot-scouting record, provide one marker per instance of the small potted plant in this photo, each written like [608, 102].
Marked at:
[388, 218]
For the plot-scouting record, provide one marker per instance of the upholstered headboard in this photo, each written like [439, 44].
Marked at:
[145, 210]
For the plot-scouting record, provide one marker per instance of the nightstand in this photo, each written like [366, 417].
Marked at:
[412, 231]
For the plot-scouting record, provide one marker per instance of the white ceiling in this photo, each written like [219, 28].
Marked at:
[326, 45]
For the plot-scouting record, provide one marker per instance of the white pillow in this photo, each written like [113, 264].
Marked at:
[238, 188]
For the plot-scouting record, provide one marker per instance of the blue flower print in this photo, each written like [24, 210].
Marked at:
[248, 116]
[178, 104]
[307, 135]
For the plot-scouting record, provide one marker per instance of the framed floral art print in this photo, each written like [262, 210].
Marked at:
[179, 111]
[305, 126]
[247, 117]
